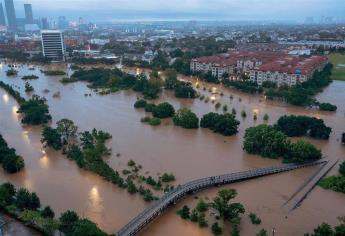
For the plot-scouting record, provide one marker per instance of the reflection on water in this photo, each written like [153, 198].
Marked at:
[5, 98]
[14, 111]
[44, 162]
[163, 149]
[28, 183]
[26, 137]
[95, 201]
[256, 111]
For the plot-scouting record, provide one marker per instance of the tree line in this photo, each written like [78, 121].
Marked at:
[26, 207]
[10, 161]
[88, 149]
[267, 141]
[34, 111]
[225, 124]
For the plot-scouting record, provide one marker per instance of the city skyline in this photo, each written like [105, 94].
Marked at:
[233, 10]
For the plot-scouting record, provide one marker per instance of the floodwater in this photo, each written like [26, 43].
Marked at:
[13, 227]
[189, 154]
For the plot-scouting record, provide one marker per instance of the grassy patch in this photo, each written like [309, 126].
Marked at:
[338, 72]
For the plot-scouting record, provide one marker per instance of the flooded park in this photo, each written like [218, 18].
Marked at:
[189, 154]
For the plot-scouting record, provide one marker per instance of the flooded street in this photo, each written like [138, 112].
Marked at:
[189, 154]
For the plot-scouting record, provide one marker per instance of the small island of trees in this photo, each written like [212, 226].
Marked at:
[186, 119]
[295, 126]
[53, 72]
[29, 77]
[35, 111]
[336, 182]
[225, 124]
[12, 72]
[10, 161]
[327, 107]
[269, 142]
[163, 110]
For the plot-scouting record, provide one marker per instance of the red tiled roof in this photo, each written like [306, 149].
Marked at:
[271, 61]
[294, 64]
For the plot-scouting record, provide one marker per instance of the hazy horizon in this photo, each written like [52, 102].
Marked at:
[229, 10]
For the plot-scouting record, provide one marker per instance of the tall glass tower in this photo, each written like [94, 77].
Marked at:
[11, 15]
[29, 18]
[2, 15]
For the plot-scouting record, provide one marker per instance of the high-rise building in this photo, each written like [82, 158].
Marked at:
[2, 15]
[29, 18]
[11, 15]
[53, 45]
[62, 24]
[44, 23]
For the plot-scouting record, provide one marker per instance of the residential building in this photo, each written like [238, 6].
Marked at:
[278, 67]
[11, 15]
[218, 65]
[289, 70]
[53, 45]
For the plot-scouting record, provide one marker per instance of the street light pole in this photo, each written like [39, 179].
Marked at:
[273, 231]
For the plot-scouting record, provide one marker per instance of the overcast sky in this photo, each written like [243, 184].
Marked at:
[107, 10]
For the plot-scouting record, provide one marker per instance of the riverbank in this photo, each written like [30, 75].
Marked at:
[14, 228]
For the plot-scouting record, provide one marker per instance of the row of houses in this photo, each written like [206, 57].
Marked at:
[278, 67]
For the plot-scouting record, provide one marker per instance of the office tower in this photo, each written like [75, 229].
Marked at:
[29, 18]
[11, 15]
[2, 15]
[62, 22]
[44, 23]
[53, 45]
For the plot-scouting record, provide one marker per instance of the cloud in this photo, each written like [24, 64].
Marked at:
[228, 9]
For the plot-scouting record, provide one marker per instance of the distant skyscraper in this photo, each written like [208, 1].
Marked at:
[29, 18]
[2, 15]
[44, 23]
[11, 14]
[53, 45]
[62, 24]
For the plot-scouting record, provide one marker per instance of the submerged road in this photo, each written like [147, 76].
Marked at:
[170, 198]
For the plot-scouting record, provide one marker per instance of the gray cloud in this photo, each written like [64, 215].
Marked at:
[189, 9]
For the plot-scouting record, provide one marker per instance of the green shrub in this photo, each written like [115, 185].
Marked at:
[186, 119]
[163, 110]
[155, 121]
[141, 103]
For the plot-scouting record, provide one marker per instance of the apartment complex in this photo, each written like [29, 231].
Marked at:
[288, 70]
[278, 67]
[53, 45]
[218, 65]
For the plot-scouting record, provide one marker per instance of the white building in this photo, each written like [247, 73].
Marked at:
[53, 45]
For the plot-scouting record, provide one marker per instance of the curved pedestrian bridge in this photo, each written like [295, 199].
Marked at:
[170, 198]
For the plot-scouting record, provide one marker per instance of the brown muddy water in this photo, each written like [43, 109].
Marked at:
[189, 154]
